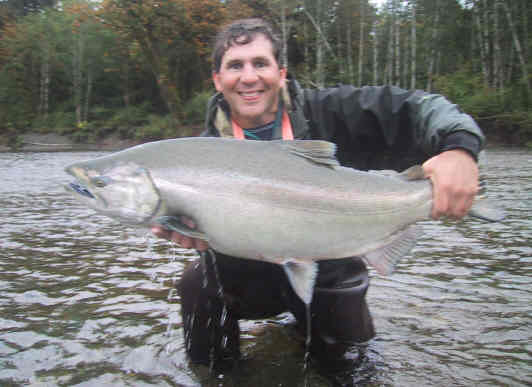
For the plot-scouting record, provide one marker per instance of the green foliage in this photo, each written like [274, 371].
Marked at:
[9, 136]
[466, 89]
[501, 111]
[96, 54]
[126, 120]
[460, 85]
[62, 122]
[194, 110]
[157, 127]
[86, 132]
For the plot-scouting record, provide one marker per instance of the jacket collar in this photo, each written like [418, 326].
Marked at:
[219, 123]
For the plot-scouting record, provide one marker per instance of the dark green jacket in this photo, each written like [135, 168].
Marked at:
[374, 127]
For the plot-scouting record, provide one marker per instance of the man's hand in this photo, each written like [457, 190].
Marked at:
[454, 176]
[182, 240]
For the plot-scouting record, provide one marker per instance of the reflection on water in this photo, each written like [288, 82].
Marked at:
[87, 302]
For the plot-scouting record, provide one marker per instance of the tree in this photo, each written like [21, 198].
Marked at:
[518, 49]
[167, 33]
[413, 44]
[434, 47]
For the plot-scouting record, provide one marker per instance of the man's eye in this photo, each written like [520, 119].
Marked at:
[260, 64]
[235, 66]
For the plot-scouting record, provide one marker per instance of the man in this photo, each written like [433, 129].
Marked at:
[373, 128]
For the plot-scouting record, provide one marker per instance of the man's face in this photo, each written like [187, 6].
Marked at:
[250, 79]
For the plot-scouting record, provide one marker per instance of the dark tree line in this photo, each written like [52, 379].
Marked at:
[142, 68]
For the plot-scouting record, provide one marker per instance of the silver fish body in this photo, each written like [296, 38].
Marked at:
[288, 203]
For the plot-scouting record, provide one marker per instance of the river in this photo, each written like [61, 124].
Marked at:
[87, 302]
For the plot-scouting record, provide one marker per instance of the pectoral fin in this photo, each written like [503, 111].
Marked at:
[302, 277]
[174, 223]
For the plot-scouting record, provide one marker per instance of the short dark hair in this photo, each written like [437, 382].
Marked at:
[241, 32]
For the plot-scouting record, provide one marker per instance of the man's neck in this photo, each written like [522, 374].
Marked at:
[248, 123]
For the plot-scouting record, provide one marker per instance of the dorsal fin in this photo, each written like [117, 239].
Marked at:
[415, 172]
[317, 151]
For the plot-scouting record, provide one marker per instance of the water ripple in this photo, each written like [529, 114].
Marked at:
[88, 302]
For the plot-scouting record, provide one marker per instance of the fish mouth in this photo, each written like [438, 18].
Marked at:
[81, 189]
[77, 186]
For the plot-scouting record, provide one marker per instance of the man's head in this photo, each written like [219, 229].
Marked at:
[241, 32]
[247, 71]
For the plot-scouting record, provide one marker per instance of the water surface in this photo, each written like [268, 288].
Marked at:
[87, 302]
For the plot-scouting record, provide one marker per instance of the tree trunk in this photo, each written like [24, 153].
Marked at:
[497, 56]
[306, 54]
[517, 43]
[339, 50]
[349, 51]
[524, 17]
[389, 60]
[481, 43]
[320, 76]
[320, 42]
[284, 31]
[434, 43]
[77, 74]
[319, 31]
[88, 91]
[413, 45]
[486, 41]
[396, 40]
[510, 64]
[361, 43]
[404, 64]
[375, 53]
[44, 84]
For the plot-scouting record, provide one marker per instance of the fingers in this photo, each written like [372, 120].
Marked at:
[454, 176]
[452, 201]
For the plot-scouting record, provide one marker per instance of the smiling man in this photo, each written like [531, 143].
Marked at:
[374, 128]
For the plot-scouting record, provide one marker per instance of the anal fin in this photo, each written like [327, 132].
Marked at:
[302, 277]
[384, 259]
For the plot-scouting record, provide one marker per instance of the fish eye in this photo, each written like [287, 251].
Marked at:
[99, 182]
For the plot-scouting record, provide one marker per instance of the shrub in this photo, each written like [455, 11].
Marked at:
[194, 110]
[128, 119]
[157, 127]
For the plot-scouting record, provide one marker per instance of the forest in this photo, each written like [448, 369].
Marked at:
[141, 69]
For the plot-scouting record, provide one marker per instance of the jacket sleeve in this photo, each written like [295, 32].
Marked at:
[430, 121]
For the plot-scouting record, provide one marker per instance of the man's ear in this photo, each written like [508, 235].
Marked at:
[216, 81]
[282, 73]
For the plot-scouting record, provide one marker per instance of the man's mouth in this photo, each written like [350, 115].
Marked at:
[250, 95]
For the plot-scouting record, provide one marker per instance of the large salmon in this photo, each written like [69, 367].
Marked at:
[286, 202]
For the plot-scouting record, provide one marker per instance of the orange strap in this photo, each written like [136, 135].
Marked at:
[288, 134]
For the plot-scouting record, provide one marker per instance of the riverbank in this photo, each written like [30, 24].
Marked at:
[52, 142]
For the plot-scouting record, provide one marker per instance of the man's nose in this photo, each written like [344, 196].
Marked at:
[249, 74]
